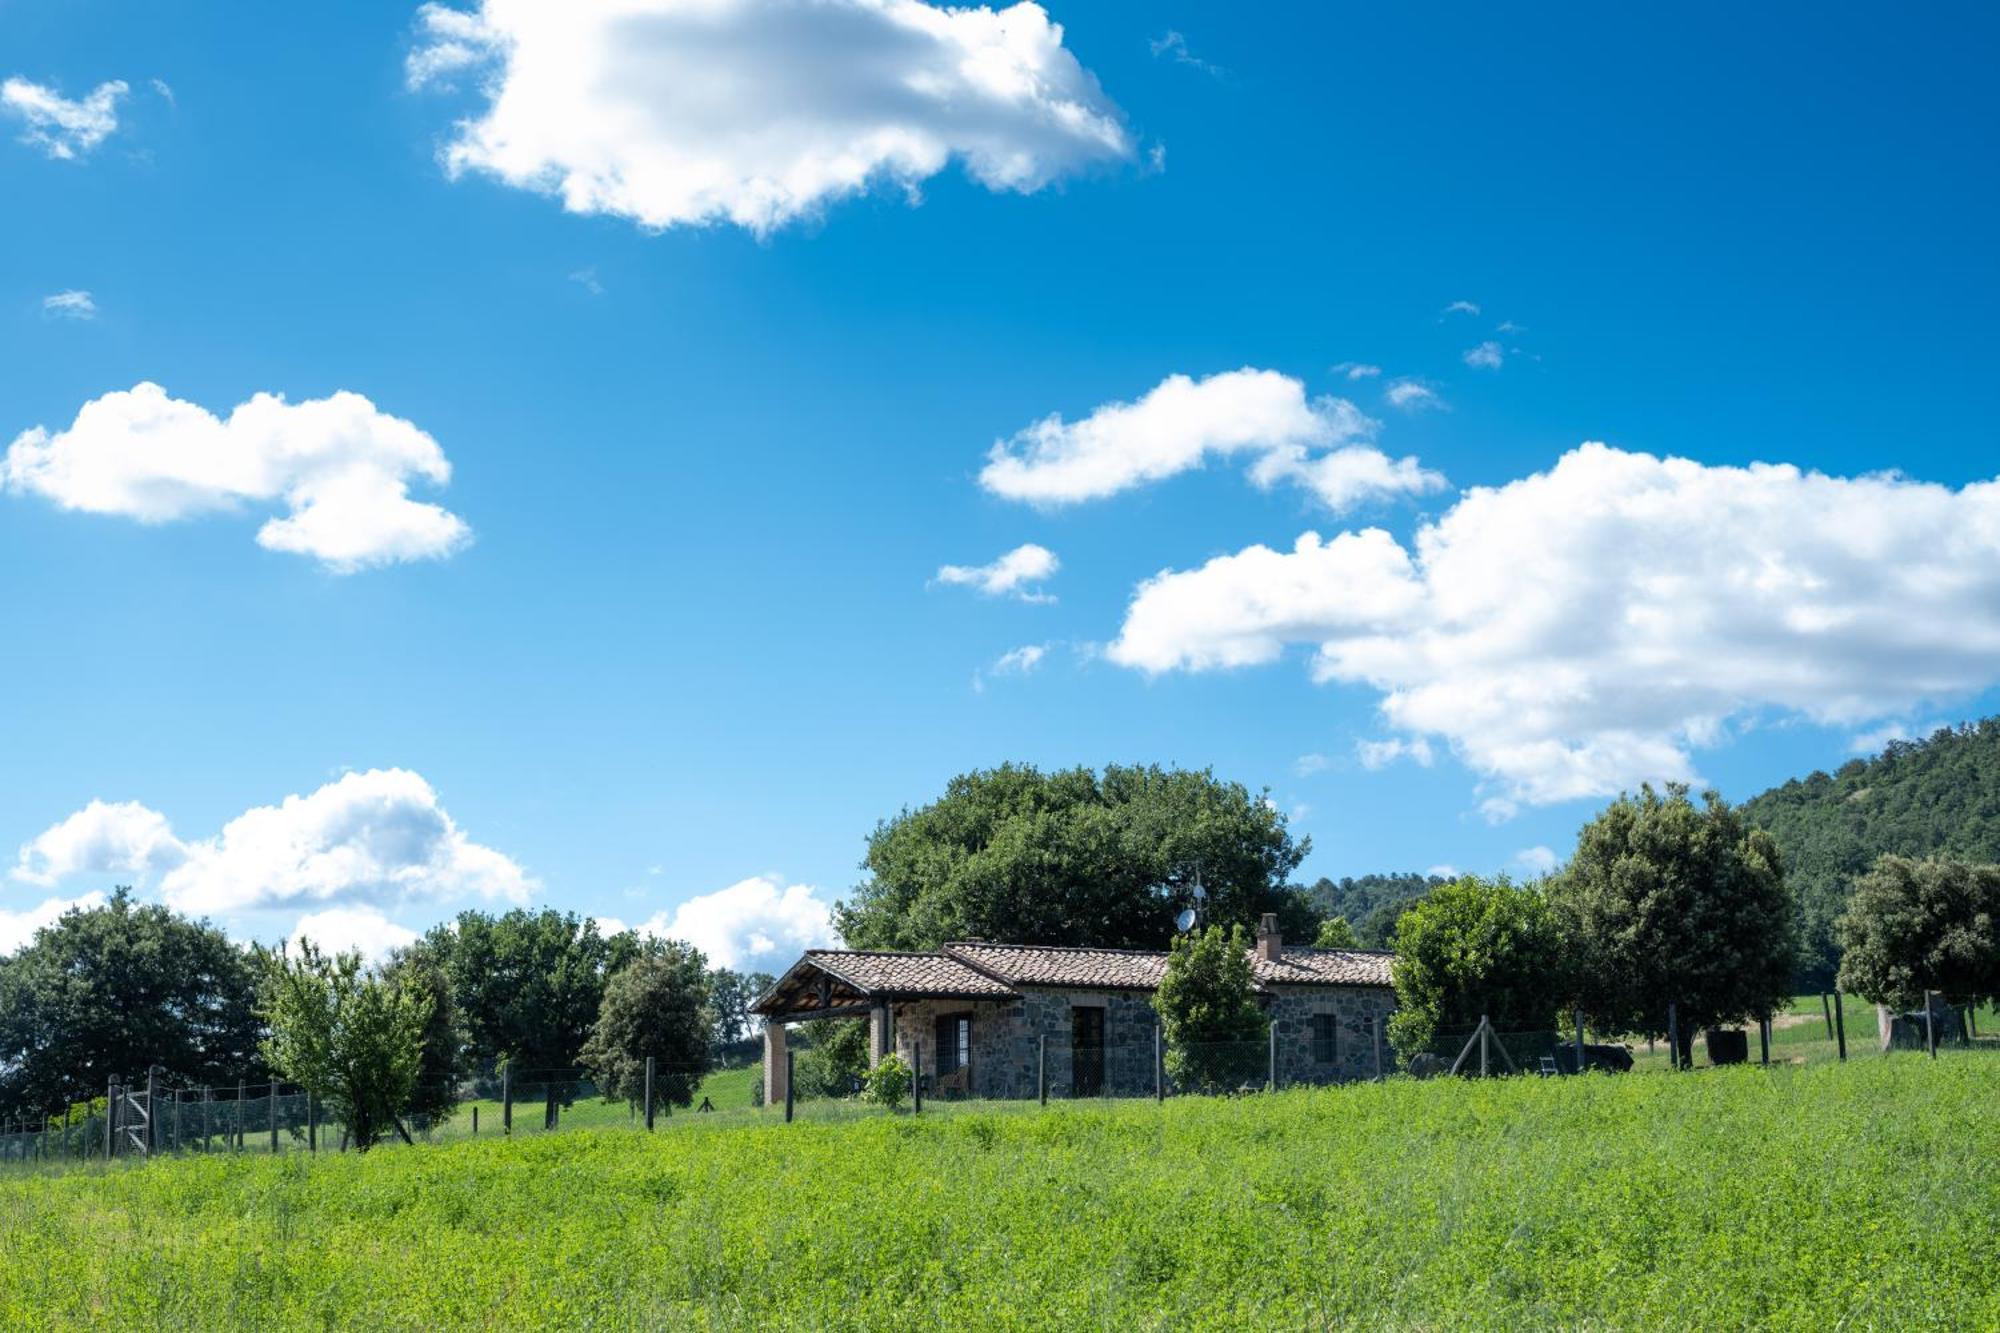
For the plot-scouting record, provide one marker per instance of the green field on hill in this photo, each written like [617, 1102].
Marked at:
[1858, 1195]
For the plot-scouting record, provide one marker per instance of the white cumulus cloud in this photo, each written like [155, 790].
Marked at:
[374, 837]
[757, 922]
[17, 929]
[1181, 423]
[1582, 629]
[1013, 574]
[1487, 356]
[341, 468]
[361, 930]
[62, 128]
[122, 838]
[758, 112]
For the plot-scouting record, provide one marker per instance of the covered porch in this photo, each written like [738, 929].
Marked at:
[924, 1006]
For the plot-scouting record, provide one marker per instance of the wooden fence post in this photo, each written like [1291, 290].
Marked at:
[475, 1121]
[1840, 1023]
[788, 1085]
[1577, 1014]
[1764, 1041]
[1673, 1036]
[649, 1094]
[1826, 1008]
[507, 1100]
[1042, 1068]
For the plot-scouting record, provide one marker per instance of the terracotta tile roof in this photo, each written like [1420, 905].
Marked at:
[1324, 967]
[1046, 965]
[883, 973]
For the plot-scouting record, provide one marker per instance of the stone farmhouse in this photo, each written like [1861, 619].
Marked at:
[974, 1019]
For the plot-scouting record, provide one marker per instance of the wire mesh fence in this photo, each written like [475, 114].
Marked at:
[156, 1114]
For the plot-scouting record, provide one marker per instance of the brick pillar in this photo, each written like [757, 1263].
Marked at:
[774, 1064]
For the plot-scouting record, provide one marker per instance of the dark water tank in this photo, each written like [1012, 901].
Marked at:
[1728, 1046]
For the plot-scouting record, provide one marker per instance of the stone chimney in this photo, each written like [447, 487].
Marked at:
[1269, 943]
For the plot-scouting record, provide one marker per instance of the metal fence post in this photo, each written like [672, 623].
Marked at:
[312, 1123]
[274, 1117]
[1826, 1009]
[1764, 1041]
[1274, 1057]
[1042, 1068]
[507, 1100]
[1840, 1023]
[1673, 1036]
[1577, 1014]
[917, 1077]
[475, 1122]
[1375, 1030]
[1159, 1065]
[1483, 1029]
[649, 1092]
[1930, 1026]
[788, 1085]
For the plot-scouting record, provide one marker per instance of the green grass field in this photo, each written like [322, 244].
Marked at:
[1864, 1195]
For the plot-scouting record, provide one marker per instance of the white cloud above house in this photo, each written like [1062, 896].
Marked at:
[1013, 574]
[761, 112]
[1488, 355]
[65, 129]
[1021, 661]
[1411, 395]
[760, 922]
[1260, 416]
[1377, 754]
[74, 304]
[110, 839]
[362, 930]
[17, 929]
[376, 837]
[340, 468]
[1516, 628]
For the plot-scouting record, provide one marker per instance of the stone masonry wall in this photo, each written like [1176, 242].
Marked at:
[1005, 1037]
[1357, 1008]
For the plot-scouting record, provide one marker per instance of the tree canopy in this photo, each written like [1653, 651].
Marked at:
[1913, 926]
[1076, 857]
[352, 1038]
[529, 985]
[108, 991]
[655, 1006]
[1474, 947]
[1209, 1016]
[1666, 902]
[1935, 797]
[1371, 903]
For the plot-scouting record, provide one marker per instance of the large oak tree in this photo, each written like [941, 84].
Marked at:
[1014, 854]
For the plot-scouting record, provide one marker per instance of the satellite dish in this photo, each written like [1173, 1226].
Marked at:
[1185, 921]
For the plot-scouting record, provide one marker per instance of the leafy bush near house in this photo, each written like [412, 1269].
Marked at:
[889, 1081]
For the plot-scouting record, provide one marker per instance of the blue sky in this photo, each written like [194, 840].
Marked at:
[710, 451]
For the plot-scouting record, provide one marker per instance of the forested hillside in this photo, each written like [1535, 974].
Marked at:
[1371, 903]
[1917, 798]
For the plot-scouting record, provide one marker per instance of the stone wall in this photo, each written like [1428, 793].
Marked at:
[1005, 1036]
[1357, 1010]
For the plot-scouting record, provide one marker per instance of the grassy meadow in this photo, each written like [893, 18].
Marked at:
[1864, 1195]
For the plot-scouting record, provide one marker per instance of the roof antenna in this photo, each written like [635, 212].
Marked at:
[1190, 915]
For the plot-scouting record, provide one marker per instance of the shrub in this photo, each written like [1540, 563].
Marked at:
[889, 1081]
[1208, 1011]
